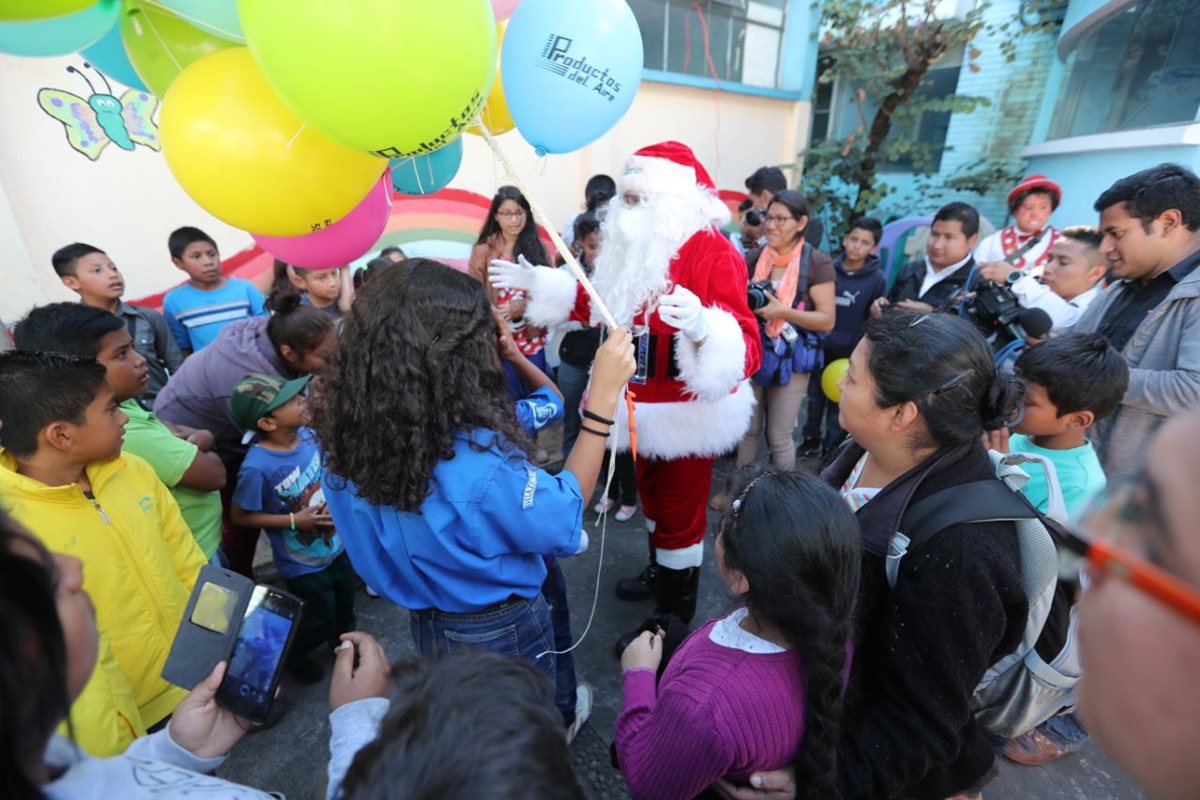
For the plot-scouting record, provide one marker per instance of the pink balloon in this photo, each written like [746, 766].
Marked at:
[504, 8]
[341, 242]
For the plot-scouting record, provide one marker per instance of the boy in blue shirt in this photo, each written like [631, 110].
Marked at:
[200, 308]
[279, 490]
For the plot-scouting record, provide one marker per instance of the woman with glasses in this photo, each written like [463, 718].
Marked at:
[799, 301]
[509, 233]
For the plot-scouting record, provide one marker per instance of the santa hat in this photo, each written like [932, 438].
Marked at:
[671, 168]
[1032, 183]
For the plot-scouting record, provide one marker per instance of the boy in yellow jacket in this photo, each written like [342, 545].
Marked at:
[63, 476]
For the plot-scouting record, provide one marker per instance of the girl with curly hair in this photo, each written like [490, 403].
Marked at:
[428, 473]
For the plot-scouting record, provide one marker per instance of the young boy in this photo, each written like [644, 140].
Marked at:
[200, 308]
[91, 274]
[329, 290]
[63, 476]
[181, 457]
[279, 490]
[860, 282]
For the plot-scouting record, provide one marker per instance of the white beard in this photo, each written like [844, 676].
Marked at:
[637, 244]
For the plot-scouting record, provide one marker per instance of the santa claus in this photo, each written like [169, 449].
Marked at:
[666, 271]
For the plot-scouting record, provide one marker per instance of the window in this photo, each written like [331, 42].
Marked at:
[1137, 69]
[744, 38]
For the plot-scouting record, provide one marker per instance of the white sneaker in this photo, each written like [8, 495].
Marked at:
[604, 505]
[625, 513]
[583, 709]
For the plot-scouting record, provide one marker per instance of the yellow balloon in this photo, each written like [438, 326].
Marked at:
[242, 155]
[25, 10]
[495, 116]
[832, 376]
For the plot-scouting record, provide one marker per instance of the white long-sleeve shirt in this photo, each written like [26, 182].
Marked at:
[1031, 293]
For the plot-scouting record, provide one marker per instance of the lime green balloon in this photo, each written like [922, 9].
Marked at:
[25, 10]
[160, 45]
[385, 77]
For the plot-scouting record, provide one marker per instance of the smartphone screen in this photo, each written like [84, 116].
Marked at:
[257, 659]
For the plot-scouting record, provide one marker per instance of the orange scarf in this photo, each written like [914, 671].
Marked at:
[769, 258]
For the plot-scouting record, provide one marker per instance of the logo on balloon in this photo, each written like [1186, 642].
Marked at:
[456, 125]
[556, 59]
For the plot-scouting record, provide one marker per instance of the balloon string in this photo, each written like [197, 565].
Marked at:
[197, 22]
[540, 216]
[295, 136]
[161, 41]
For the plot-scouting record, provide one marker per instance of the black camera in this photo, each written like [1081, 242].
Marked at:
[996, 311]
[755, 217]
[756, 294]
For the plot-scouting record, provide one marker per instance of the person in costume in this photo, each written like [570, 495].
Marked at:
[665, 269]
[1024, 245]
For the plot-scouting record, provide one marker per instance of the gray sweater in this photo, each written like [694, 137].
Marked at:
[1164, 372]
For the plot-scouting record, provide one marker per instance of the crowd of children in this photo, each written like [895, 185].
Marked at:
[380, 427]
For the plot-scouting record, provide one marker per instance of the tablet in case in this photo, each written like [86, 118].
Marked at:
[209, 626]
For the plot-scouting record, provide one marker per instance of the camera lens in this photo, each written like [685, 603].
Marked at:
[755, 217]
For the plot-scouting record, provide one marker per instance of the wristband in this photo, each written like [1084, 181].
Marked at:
[593, 416]
[593, 431]
[292, 520]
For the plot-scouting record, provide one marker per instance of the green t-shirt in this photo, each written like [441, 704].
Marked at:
[170, 457]
[1079, 475]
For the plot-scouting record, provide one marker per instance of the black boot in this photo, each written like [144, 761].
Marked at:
[641, 587]
[675, 592]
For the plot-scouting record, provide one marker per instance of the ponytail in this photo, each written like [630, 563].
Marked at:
[300, 327]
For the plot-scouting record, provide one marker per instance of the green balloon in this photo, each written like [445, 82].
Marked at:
[160, 45]
[388, 78]
[22, 10]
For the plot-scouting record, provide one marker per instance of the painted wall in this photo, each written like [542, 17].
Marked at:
[127, 202]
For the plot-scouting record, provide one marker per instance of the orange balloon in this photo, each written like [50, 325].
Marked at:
[494, 115]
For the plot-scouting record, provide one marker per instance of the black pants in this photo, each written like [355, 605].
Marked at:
[328, 598]
[624, 483]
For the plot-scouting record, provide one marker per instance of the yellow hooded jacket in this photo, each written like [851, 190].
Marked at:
[140, 564]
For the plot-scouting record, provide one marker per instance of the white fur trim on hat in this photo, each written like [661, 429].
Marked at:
[713, 367]
[657, 176]
[689, 428]
[552, 297]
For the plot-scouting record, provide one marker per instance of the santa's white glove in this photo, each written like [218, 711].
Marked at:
[681, 309]
[507, 275]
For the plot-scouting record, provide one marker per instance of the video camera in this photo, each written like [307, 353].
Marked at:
[995, 310]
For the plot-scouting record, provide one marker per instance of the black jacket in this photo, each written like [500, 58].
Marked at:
[856, 290]
[922, 648]
[908, 284]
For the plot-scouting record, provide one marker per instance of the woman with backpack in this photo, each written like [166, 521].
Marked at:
[920, 391]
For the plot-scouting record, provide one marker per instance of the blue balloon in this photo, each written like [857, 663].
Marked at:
[570, 69]
[108, 55]
[218, 17]
[428, 173]
[58, 36]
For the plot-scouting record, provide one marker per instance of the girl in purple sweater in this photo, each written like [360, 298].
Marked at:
[762, 687]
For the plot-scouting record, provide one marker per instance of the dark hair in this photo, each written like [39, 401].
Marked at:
[180, 238]
[34, 696]
[281, 282]
[585, 225]
[528, 244]
[796, 203]
[416, 364]
[391, 248]
[1080, 372]
[300, 327]
[39, 388]
[962, 213]
[943, 364]
[1149, 193]
[70, 328]
[495, 708]
[1084, 234]
[766, 179]
[371, 269]
[797, 543]
[1021, 196]
[868, 224]
[598, 191]
[64, 258]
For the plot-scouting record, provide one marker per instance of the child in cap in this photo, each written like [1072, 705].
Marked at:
[279, 490]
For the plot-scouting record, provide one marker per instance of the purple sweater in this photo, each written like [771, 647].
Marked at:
[719, 712]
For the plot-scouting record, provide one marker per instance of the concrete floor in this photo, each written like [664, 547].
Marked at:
[290, 758]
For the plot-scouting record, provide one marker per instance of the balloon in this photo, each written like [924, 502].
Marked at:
[218, 17]
[60, 35]
[108, 55]
[495, 114]
[504, 8]
[343, 241]
[160, 45]
[429, 173]
[388, 78]
[248, 160]
[832, 376]
[12, 10]
[571, 69]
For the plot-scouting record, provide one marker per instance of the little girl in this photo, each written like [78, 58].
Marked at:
[428, 472]
[763, 685]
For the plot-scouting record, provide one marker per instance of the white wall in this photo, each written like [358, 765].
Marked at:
[127, 202]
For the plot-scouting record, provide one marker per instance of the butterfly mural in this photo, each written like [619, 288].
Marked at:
[102, 118]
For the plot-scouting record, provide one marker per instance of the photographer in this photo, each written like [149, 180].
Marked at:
[761, 186]
[1070, 280]
[930, 282]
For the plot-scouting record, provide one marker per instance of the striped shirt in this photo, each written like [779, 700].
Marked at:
[196, 316]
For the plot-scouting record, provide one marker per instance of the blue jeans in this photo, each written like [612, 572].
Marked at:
[554, 590]
[572, 382]
[517, 628]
